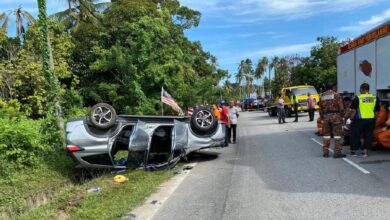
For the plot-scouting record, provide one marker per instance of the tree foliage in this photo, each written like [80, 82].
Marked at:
[320, 67]
[21, 73]
[139, 48]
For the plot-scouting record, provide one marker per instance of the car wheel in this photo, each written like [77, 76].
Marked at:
[102, 116]
[203, 121]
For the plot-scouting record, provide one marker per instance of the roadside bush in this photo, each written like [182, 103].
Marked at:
[10, 109]
[20, 143]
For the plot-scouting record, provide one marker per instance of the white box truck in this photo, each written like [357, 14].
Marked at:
[366, 59]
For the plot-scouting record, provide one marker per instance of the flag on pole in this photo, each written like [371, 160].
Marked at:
[190, 111]
[167, 99]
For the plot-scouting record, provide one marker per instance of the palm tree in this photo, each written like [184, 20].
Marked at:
[249, 83]
[80, 11]
[248, 71]
[228, 88]
[273, 65]
[21, 16]
[51, 81]
[240, 75]
[261, 68]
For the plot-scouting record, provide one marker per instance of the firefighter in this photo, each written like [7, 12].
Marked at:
[364, 108]
[384, 136]
[331, 111]
[380, 124]
[319, 127]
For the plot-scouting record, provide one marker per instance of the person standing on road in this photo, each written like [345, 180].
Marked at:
[295, 103]
[233, 114]
[311, 106]
[331, 112]
[216, 112]
[364, 108]
[225, 118]
[281, 112]
[347, 125]
[384, 136]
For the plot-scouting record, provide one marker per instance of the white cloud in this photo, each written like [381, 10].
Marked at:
[283, 50]
[246, 35]
[268, 52]
[366, 25]
[249, 11]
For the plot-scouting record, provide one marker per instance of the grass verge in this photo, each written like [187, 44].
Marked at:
[23, 190]
[51, 191]
[111, 202]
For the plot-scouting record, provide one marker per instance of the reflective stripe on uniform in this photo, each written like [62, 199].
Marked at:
[326, 137]
[337, 137]
[367, 104]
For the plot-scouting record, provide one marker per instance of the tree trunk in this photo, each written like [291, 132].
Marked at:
[51, 81]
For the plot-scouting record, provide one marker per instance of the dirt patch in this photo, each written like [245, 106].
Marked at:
[73, 202]
[62, 215]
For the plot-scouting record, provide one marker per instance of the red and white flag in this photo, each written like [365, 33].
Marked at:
[190, 111]
[167, 99]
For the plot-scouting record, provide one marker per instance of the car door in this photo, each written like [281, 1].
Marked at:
[139, 143]
[179, 139]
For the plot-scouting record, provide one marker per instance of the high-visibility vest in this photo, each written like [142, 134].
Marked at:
[367, 104]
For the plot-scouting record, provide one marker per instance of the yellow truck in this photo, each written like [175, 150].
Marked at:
[301, 95]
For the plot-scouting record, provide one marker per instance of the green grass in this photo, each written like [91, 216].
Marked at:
[115, 199]
[52, 188]
[111, 202]
[21, 189]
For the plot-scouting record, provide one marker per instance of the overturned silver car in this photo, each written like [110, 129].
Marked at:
[107, 140]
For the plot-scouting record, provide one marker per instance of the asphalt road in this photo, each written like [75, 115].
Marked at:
[277, 172]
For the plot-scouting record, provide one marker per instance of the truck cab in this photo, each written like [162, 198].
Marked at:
[301, 96]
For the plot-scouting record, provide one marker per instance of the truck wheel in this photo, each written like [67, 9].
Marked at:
[102, 116]
[203, 121]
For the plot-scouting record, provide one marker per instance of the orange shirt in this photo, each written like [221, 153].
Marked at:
[217, 114]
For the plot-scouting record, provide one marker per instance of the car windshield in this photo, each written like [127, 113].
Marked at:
[304, 91]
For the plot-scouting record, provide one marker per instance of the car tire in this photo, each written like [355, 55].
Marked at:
[203, 121]
[102, 116]
[272, 112]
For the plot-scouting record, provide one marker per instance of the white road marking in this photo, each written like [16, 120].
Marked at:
[356, 166]
[149, 209]
[347, 160]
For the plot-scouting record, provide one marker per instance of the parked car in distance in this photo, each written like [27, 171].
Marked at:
[248, 104]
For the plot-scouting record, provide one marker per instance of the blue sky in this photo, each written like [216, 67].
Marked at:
[236, 29]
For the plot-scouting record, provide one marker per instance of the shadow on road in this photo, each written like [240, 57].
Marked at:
[202, 156]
